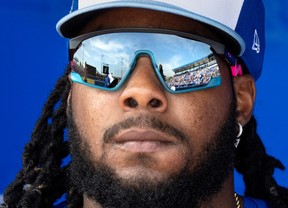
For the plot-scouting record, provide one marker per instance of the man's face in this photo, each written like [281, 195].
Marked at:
[142, 133]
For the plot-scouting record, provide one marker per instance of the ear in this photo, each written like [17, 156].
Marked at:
[245, 92]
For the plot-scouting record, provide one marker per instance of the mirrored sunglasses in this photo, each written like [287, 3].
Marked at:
[182, 62]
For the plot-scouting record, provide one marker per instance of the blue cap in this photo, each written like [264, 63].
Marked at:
[240, 22]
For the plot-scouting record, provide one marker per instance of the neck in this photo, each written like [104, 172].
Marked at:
[224, 199]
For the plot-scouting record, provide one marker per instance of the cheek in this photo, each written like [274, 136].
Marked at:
[199, 115]
[91, 115]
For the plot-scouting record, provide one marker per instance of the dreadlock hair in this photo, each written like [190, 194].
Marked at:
[42, 179]
[257, 168]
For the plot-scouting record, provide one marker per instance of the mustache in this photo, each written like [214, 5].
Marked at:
[144, 122]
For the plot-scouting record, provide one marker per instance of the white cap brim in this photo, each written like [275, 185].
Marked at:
[70, 25]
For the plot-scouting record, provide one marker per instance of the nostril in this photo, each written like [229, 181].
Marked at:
[131, 102]
[155, 103]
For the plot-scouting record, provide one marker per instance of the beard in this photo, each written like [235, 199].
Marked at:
[187, 188]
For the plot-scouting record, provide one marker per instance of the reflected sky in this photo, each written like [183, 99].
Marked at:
[117, 50]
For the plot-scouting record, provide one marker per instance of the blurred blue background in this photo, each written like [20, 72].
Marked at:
[33, 56]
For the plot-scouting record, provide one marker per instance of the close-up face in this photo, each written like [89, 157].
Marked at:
[155, 107]
[142, 150]
[142, 132]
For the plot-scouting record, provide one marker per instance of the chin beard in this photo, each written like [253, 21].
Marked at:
[189, 188]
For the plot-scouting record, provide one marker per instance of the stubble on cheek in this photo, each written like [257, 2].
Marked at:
[87, 119]
[204, 113]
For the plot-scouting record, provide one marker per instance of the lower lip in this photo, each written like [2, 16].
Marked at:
[143, 146]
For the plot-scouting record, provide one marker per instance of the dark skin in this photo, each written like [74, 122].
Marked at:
[198, 114]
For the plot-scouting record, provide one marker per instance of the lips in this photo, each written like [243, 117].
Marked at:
[143, 140]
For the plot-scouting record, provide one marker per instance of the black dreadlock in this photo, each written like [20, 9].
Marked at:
[42, 179]
[257, 168]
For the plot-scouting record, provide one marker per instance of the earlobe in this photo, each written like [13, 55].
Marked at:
[245, 92]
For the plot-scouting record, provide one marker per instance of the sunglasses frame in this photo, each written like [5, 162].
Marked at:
[216, 47]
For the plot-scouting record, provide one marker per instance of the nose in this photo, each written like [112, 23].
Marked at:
[143, 89]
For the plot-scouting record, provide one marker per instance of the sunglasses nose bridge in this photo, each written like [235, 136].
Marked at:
[152, 64]
[144, 53]
[144, 65]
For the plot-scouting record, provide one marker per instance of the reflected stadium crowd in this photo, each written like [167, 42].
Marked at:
[199, 77]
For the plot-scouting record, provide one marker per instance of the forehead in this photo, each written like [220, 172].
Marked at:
[139, 18]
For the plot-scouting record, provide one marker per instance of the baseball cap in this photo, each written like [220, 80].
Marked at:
[240, 22]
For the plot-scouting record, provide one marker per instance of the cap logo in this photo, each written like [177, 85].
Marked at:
[256, 42]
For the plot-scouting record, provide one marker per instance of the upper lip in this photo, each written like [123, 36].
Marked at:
[143, 134]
